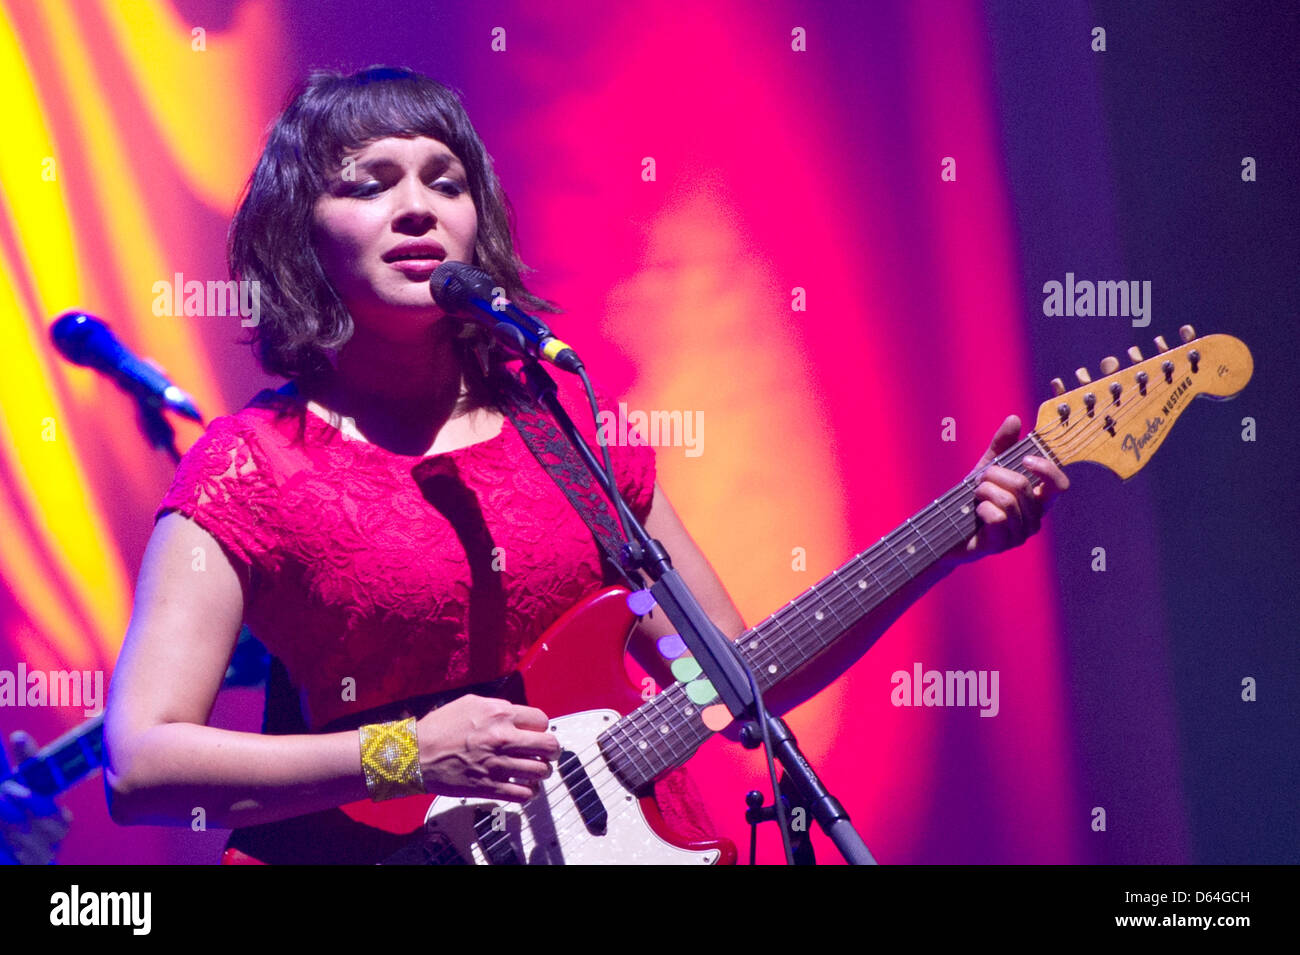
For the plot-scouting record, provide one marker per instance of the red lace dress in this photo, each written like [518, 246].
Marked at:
[361, 564]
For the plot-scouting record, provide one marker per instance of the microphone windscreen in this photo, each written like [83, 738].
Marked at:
[453, 284]
[84, 340]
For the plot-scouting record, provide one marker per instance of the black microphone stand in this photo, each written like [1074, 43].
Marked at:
[157, 430]
[713, 651]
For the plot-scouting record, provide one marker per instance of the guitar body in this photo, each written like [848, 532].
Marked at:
[584, 815]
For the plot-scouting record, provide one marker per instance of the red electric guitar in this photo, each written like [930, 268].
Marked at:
[596, 809]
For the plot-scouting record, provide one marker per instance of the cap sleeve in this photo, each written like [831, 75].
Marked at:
[224, 485]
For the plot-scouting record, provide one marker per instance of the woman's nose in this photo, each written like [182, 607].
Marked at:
[414, 203]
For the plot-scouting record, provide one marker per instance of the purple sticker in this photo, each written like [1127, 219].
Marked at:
[671, 647]
[641, 602]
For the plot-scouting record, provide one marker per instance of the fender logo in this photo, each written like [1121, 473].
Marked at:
[1137, 444]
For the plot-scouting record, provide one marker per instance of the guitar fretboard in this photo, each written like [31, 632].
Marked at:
[667, 730]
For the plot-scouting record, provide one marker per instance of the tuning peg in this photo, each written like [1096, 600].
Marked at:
[1109, 365]
[1058, 387]
[1134, 355]
[1160, 343]
[1187, 333]
[1082, 375]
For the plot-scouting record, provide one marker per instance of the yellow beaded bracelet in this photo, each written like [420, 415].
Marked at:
[390, 758]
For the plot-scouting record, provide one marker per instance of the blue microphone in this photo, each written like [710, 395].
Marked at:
[465, 291]
[85, 340]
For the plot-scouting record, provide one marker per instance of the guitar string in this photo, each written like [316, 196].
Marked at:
[1088, 433]
[600, 791]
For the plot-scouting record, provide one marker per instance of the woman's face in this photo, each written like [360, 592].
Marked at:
[395, 211]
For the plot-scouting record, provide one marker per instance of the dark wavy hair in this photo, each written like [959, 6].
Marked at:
[330, 115]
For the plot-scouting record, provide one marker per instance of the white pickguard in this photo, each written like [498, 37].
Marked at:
[550, 829]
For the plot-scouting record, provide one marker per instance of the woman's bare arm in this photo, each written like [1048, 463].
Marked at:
[163, 762]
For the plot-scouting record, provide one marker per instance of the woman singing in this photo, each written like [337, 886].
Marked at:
[378, 522]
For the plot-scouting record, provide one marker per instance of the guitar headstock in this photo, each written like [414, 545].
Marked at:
[1119, 421]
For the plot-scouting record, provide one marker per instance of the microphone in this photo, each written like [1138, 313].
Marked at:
[464, 291]
[85, 340]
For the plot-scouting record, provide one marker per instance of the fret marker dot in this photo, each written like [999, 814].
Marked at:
[862, 585]
[965, 509]
[911, 548]
[771, 668]
[664, 730]
[688, 711]
[819, 615]
[753, 644]
[641, 745]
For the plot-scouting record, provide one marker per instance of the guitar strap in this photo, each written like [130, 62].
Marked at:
[558, 458]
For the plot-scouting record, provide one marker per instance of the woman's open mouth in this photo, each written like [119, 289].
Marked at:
[416, 257]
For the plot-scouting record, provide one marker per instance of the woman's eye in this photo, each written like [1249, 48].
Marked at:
[373, 187]
[449, 186]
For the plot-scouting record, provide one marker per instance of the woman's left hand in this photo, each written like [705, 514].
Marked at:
[1010, 511]
[31, 826]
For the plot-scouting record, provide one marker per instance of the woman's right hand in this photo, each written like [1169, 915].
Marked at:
[489, 748]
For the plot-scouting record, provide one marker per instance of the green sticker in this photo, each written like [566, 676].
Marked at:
[685, 669]
[701, 692]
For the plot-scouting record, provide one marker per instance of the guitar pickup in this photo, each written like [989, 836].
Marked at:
[583, 793]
